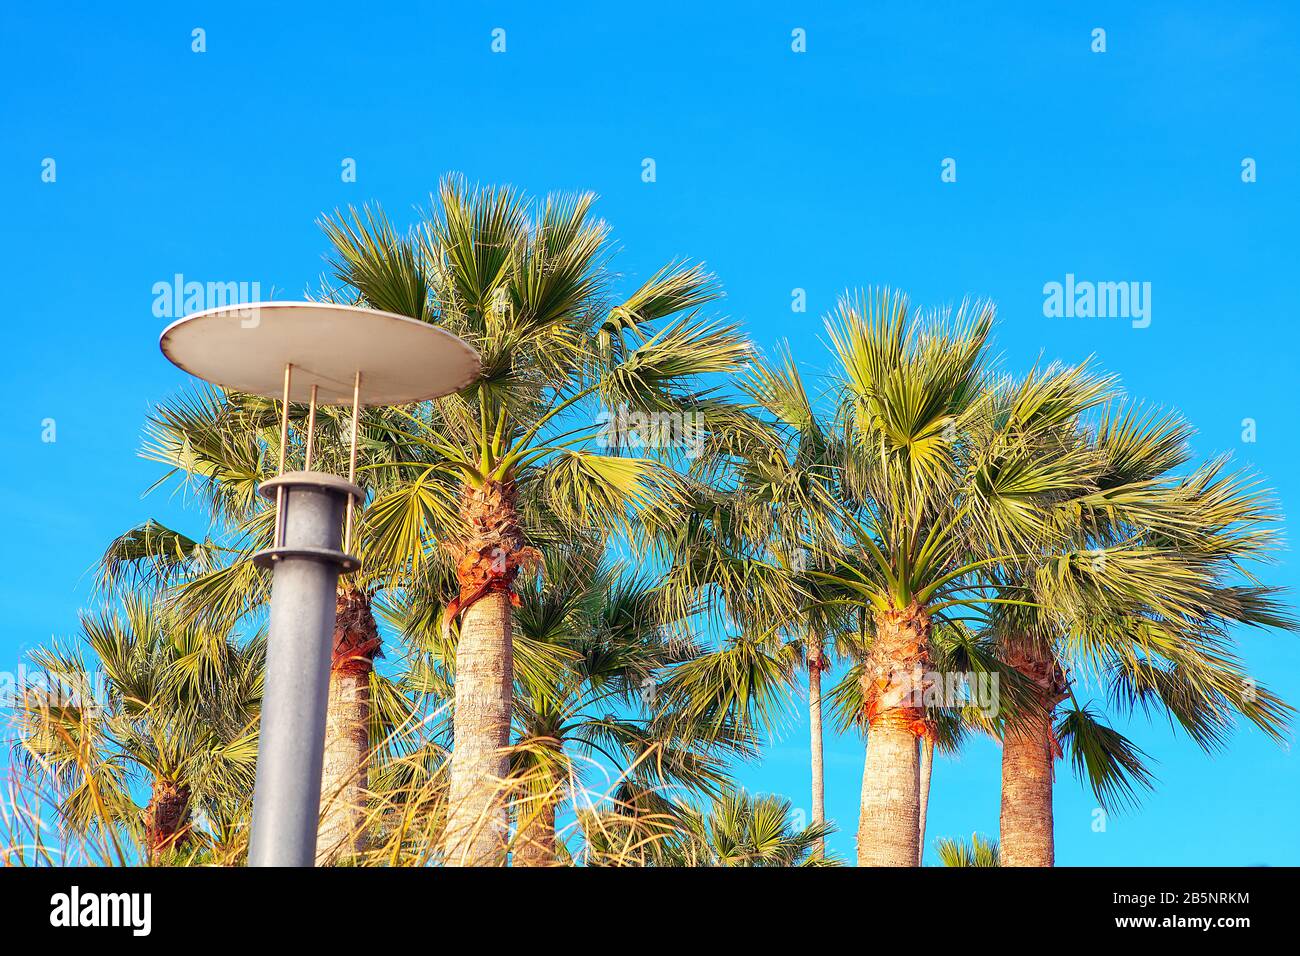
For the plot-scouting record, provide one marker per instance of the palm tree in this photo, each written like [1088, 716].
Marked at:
[598, 714]
[947, 473]
[733, 829]
[163, 700]
[989, 693]
[529, 288]
[981, 851]
[925, 779]
[1142, 593]
[740, 829]
[785, 476]
[763, 497]
[345, 770]
[738, 599]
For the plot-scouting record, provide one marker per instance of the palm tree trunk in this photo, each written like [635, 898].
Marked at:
[1029, 753]
[535, 842]
[927, 769]
[890, 816]
[167, 817]
[476, 811]
[345, 774]
[1026, 823]
[894, 683]
[490, 557]
[815, 664]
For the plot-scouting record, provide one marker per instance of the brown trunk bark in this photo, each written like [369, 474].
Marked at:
[167, 817]
[927, 771]
[894, 684]
[1029, 752]
[815, 664]
[345, 774]
[1026, 822]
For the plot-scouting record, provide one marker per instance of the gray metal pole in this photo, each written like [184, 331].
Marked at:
[306, 568]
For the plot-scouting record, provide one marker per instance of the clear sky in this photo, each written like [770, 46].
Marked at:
[783, 170]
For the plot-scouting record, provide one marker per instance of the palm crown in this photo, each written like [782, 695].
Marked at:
[162, 702]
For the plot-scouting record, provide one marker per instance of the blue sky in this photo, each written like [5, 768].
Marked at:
[783, 170]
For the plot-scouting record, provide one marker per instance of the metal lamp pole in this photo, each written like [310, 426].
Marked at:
[291, 746]
[253, 349]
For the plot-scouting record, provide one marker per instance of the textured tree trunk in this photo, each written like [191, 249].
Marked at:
[489, 558]
[345, 774]
[894, 683]
[1026, 823]
[167, 817]
[815, 663]
[535, 842]
[1029, 753]
[927, 770]
[890, 816]
[476, 811]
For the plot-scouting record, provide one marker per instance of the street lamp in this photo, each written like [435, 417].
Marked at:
[324, 354]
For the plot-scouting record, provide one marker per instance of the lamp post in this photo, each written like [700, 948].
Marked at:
[323, 354]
